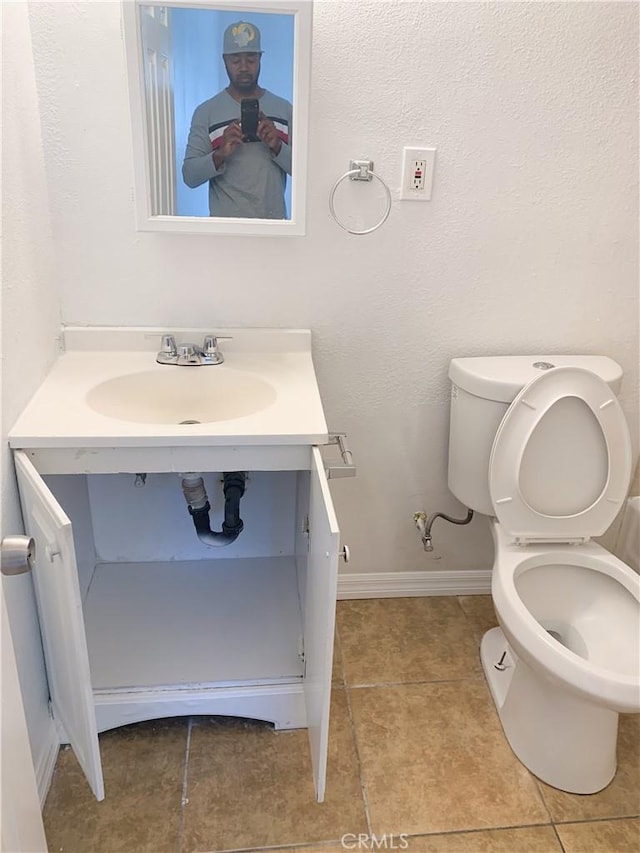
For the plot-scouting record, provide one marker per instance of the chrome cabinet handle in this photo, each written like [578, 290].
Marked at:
[346, 470]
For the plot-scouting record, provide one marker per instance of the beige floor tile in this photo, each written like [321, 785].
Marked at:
[143, 768]
[250, 787]
[526, 839]
[434, 759]
[479, 612]
[607, 836]
[621, 798]
[405, 639]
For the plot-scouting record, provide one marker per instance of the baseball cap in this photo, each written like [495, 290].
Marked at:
[241, 37]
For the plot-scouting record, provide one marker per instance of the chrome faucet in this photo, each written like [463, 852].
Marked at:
[189, 354]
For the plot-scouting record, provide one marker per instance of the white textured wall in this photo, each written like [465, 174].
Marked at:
[530, 243]
[30, 326]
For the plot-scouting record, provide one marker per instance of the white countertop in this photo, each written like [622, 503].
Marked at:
[58, 414]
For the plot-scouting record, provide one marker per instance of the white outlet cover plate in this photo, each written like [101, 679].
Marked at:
[409, 155]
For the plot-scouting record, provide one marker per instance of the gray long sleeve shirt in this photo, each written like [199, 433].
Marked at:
[251, 182]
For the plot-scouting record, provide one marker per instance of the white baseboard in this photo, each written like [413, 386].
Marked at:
[46, 763]
[405, 584]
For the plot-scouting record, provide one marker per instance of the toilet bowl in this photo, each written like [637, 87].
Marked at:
[565, 660]
[570, 627]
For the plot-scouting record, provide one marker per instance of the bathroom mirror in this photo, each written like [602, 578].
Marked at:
[175, 67]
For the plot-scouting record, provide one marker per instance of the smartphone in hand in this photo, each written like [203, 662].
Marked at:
[249, 115]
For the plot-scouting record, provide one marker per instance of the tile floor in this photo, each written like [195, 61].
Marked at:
[417, 761]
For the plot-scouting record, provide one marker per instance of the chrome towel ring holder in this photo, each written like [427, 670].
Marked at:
[360, 170]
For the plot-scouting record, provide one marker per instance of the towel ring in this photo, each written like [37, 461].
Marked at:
[360, 170]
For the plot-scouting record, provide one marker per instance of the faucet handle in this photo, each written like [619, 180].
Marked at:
[168, 345]
[210, 348]
[211, 342]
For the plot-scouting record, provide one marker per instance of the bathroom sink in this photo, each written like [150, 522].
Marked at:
[106, 390]
[181, 395]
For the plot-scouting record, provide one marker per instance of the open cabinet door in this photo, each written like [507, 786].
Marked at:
[55, 579]
[320, 614]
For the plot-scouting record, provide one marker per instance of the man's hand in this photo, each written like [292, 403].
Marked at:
[231, 139]
[268, 134]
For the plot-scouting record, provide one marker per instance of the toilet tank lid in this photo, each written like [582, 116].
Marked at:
[501, 378]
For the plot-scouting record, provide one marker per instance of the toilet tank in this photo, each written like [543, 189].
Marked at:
[482, 390]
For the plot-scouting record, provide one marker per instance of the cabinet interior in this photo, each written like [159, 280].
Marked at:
[162, 608]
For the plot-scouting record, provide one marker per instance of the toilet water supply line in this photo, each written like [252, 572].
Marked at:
[199, 506]
[424, 524]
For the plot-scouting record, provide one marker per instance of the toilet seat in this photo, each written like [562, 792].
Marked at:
[513, 441]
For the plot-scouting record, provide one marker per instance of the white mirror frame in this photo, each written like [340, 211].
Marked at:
[145, 221]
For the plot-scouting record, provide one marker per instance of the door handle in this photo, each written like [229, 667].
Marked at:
[17, 554]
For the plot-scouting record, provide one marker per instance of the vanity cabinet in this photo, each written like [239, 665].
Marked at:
[141, 620]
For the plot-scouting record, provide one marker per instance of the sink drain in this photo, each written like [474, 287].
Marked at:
[180, 423]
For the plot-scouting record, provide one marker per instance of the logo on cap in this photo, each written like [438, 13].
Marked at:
[243, 34]
[241, 37]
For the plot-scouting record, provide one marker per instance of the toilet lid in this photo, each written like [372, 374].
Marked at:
[561, 459]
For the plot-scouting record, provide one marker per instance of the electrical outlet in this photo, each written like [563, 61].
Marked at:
[418, 168]
[417, 173]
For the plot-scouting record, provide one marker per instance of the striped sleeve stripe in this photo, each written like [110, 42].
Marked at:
[216, 133]
[282, 129]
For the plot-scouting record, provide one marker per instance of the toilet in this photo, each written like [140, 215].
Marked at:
[541, 446]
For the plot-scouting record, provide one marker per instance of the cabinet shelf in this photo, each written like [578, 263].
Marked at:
[198, 622]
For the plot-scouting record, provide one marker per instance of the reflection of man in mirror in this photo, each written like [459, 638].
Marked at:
[246, 166]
